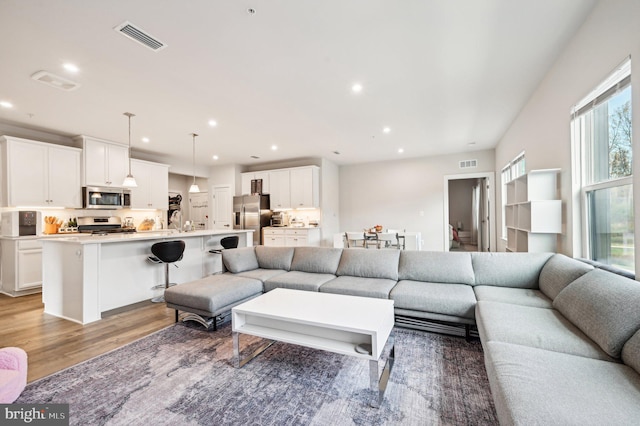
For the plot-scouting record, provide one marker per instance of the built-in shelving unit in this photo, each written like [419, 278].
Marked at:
[533, 212]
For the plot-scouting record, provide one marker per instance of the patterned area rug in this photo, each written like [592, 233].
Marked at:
[183, 376]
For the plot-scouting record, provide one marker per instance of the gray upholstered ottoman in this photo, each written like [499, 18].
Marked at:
[211, 296]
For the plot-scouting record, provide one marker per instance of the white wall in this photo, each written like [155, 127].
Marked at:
[542, 129]
[404, 194]
[330, 201]
[461, 202]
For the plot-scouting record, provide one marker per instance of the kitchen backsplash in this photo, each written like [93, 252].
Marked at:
[66, 214]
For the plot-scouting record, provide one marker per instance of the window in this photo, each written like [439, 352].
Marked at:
[601, 127]
[512, 170]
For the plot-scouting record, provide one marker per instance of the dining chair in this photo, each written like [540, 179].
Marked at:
[387, 240]
[400, 237]
[355, 239]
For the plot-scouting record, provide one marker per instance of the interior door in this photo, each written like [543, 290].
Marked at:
[199, 209]
[222, 207]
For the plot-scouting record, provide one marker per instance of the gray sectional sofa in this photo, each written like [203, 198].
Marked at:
[561, 339]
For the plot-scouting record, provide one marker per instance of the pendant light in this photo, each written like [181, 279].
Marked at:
[194, 186]
[129, 181]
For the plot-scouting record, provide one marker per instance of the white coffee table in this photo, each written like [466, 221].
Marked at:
[331, 322]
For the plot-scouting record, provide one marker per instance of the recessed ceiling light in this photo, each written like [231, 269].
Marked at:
[70, 67]
[213, 123]
[356, 88]
[215, 157]
[386, 129]
[145, 140]
[274, 147]
[6, 104]
[400, 150]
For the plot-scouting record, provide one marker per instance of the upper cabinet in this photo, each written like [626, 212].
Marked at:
[249, 176]
[40, 174]
[293, 188]
[153, 185]
[305, 188]
[104, 163]
[280, 195]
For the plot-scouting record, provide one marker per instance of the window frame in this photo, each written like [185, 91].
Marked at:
[582, 133]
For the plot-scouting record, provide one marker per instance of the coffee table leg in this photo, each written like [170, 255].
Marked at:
[237, 362]
[378, 385]
[236, 349]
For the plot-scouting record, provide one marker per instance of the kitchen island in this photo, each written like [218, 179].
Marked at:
[84, 276]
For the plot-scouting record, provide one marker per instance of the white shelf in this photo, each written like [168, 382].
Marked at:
[533, 214]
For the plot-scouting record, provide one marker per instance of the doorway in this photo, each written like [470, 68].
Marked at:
[469, 217]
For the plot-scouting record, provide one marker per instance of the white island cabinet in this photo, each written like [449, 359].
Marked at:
[82, 277]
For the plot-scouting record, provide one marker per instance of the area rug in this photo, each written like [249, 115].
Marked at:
[183, 376]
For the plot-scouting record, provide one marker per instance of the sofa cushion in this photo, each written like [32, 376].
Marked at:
[240, 259]
[631, 352]
[516, 296]
[532, 386]
[536, 327]
[320, 260]
[440, 298]
[369, 264]
[298, 280]
[605, 306]
[436, 267]
[261, 274]
[559, 272]
[274, 257]
[359, 286]
[519, 270]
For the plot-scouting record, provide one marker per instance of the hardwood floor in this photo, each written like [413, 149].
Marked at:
[53, 344]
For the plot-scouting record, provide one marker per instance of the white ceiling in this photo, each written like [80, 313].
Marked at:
[441, 74]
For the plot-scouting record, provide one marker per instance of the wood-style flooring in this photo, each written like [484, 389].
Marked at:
[53, 344]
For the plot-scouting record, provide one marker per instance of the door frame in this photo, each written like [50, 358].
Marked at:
[491, 195]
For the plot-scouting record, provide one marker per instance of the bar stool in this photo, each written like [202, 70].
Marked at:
[226, 243]
[166, 252]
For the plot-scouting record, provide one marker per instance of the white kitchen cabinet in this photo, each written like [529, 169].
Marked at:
[104, 163]
[291, 237]
[21, 266]
[40, 174]
[305, 188]
[249, 176]
[533, 214]
[153, 185]
[280, 186]
[273, 237]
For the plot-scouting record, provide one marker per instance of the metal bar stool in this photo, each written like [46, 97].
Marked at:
[226, 243]
[166, 252]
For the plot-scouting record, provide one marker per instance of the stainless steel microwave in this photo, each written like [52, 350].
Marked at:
[95, 197]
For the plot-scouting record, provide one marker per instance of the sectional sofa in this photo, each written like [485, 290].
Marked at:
[561, 338]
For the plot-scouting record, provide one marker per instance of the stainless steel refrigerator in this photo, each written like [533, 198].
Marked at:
[252, 212]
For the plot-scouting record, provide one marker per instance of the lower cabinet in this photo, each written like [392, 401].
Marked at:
[291, 237]
[21, 266]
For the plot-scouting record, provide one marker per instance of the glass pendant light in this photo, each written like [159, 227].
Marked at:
[194, 186]
[129, 181]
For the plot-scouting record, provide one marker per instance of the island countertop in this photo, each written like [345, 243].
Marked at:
[140, 236]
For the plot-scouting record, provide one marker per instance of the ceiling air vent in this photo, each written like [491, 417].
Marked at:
[55, 81]
[468, 164]
[137, 34]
